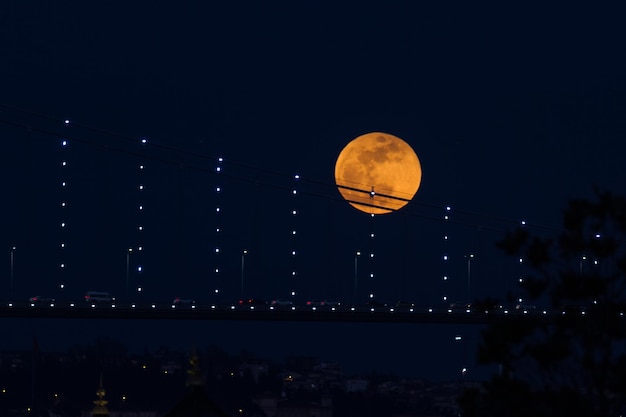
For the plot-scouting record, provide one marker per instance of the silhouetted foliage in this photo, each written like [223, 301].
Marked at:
[574, 363]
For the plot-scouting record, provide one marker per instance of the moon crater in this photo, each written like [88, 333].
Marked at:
[378, 173]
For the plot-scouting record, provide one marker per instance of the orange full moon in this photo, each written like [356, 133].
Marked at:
[378, 173]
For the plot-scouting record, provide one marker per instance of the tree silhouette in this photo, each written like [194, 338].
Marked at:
[572, 360]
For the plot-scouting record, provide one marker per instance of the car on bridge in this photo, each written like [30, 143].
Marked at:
[281, 302]
[95, 297]
[404, 305]
[252, 302]
[315, 304]
[460, 307]
[526, 308]
[179, 302]
[40, 300]
[375, 304]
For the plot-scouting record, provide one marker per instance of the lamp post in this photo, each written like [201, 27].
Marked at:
[582, 259]
[469, 265]
[243, 264]
[12, 268]
[356, 275]
[128, 252]
[463, 340]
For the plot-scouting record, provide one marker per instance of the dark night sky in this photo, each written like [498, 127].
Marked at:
[512, 111]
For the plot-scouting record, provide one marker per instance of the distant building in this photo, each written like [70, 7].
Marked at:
[357, 385]
[196, 403]
[255, 368]
[100, 410]
[273, 406]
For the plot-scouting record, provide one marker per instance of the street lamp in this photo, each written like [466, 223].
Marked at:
[128, 252]
[243, 260]
[469, 264]
[12, 267]
[463, 340]
[356, 265]
[583, 258]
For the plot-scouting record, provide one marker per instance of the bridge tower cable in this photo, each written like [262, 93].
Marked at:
[371, 255]
[445, 275]
[64, 215]
[218, 229]
[294, 273]
[140, 228]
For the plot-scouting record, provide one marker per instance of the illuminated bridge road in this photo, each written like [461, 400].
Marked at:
[167, 311]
